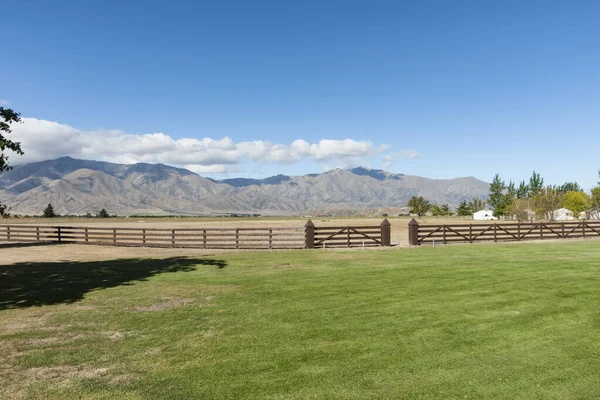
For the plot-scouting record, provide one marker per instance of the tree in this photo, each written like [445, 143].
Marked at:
[519, 208]
[477, 205]
[536, 184]
[104, 214]
[7, 117]
[576, 202]
[511, 190]
[497, 199]
[522, 190]
[464, 209]
[546, 202]
[49, 212]
[595, 202]
[570, 187]
[418, 205]
[436, 211]
[445, 210]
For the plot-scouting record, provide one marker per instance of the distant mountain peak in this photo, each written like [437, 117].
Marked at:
[378, 174]
[244, 182]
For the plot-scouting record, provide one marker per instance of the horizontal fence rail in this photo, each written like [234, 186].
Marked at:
[501, 232]
[207, 238]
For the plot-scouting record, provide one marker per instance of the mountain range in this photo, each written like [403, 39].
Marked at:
[76, 186]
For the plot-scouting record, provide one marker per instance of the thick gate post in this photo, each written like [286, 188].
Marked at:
[413, 232]
[309, 235]
[386, 239]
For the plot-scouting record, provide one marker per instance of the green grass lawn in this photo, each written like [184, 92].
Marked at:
[517, 321]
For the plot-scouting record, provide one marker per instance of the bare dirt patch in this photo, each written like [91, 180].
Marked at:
[166, 303]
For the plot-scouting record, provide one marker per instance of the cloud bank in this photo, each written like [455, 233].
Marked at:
[42, 140]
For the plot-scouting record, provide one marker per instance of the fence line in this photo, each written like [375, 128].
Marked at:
[213, 238]
[208, 238]
[507, 231]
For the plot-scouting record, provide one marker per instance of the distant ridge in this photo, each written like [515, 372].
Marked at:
[76, 186]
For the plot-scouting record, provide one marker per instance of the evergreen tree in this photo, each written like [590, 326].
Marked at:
[497, 199]
[436, 211]
[445, 210]
[464, 209]
[522, 190]
[511, 190]
[49, 212]
[536, 184]
[103, 214]
[570, 187]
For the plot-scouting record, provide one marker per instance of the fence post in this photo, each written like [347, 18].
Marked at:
[237, 238]
[172, 237]
[144, 237]
[309, 235]
[270, 238]
[8, 233]
[37, 233]
[413, 232]
[386, 239]
[86, 235]
[58, 234]
[114, 237]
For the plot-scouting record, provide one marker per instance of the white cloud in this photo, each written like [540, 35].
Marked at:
[409, 154]
[390, 159]
[4, 103]
[42, 140]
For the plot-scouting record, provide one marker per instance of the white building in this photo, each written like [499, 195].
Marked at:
[563, 214]
[484, 215]
[594, 214]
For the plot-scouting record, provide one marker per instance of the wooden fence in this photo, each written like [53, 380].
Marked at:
[500, 231]
[206, 238]
[347, 236]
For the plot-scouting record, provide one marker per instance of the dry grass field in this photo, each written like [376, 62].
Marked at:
[399, 227]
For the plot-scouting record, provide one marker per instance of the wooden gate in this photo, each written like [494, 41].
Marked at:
[347, 236]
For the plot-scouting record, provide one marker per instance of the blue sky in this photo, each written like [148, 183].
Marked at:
[472, 88]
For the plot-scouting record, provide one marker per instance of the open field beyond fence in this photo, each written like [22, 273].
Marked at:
[516, 321]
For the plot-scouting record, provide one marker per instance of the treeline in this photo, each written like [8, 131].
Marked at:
[527, 200]
[534, 200]
[50, 213]
[420, 206]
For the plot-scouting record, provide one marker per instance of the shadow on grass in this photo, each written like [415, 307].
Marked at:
[26, 244]
[38, 284]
